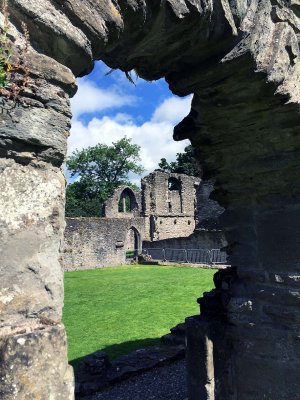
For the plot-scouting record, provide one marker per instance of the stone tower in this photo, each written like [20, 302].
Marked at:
[169, 205]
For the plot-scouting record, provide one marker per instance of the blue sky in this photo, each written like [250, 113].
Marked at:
[108, 107]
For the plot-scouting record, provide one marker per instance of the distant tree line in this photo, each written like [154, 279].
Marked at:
[185, 163]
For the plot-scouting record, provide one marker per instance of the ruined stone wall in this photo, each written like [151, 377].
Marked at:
[169, 210]
[163, 227]
[198, 240]
[111, 207]
[206, 227]
[208, 210]
[33, 135]
[98, 242]
[176, 214]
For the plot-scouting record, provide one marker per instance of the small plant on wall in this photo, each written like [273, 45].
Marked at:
[5, 50]
[14, 72]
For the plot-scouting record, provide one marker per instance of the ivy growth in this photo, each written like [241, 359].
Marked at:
[14, 71]
[5, 50]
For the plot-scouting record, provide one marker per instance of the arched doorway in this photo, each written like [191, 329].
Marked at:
[133, 243]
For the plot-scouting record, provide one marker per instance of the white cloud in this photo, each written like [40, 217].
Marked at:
[90, 99]
[154, 136]
[173, 110]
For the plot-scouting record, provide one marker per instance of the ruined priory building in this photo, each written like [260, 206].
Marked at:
[240, 60]
[169, 205]
[165, 213]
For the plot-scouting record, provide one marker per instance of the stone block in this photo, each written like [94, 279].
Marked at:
[33, 366]
[260, 378]
[31, 229]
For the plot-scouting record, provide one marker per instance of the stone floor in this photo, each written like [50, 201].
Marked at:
[163, 383]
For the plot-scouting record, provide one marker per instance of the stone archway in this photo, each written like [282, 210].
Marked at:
[127, 201]
[123, 201]
[133, 241]
[241, 61]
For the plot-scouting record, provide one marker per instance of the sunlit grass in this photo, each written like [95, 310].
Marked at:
[124, 308]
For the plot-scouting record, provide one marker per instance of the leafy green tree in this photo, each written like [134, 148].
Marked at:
[100, 170]
[186, 163]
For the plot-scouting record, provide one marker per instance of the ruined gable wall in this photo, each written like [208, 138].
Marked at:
[168, 213]
[205, 226]
[111, 207]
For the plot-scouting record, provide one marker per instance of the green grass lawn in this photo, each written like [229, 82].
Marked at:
[125, 308]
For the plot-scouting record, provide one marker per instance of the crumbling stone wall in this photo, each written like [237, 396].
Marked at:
[241, 61]
[200, 239]
[111, 207]
[98, 242]
[208, 210]
[169, 205]
[171, 216]
[103, 242]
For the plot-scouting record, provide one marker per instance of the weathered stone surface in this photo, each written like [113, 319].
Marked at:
[169, 205]
[32, 214]
[30, 133]
[97, 242]
[36, 127]
[208, 359]
[241, 61]
[29, 359]
[208, 210]
[127, 34]
[52, 31]
[111, 207]
[33, 134]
